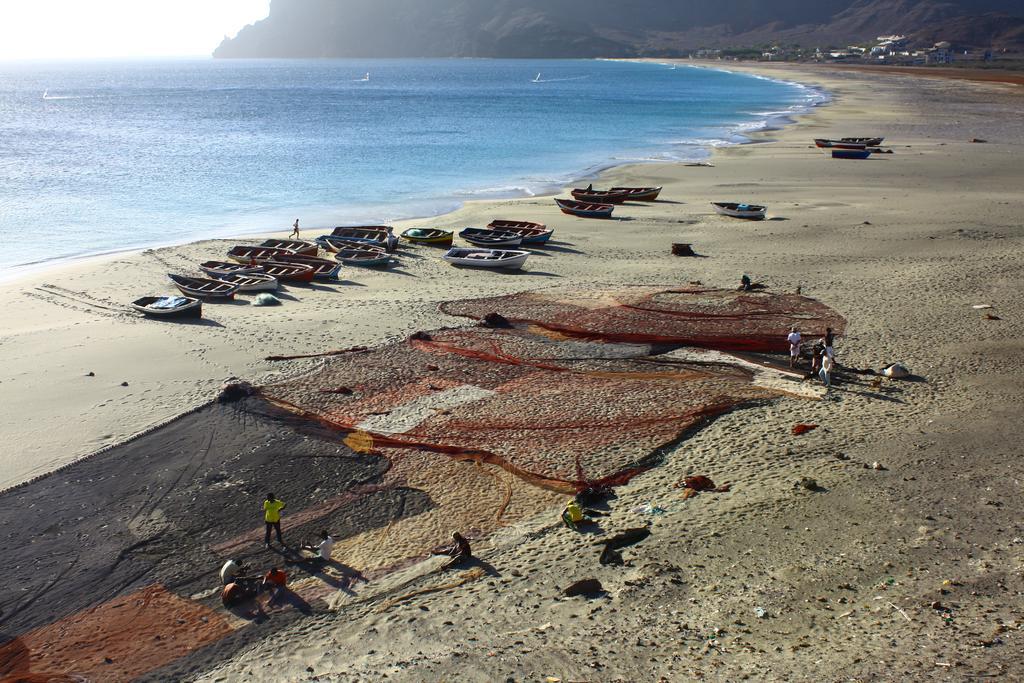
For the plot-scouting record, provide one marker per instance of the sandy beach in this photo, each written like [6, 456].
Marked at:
[901, 560]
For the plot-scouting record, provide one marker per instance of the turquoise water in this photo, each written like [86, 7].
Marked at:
[102, 156]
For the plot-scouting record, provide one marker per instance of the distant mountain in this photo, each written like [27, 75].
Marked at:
[608, 28]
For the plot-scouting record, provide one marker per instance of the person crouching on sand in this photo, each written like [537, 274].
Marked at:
[323, 549]
[459, 551]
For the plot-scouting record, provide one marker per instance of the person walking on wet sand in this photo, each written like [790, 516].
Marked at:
[794, 346]
[272, 516]
[295, 229]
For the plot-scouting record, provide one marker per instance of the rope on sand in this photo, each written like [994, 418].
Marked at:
[466, 577]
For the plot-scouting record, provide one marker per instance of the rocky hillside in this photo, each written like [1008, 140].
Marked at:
[610, 28]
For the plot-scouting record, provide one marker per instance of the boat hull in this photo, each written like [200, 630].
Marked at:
[193, 308]
[430, 236]
[217, 268]
[837, 144]
[322, 268]
[491, 238]
[298, 246]
[533, 233]
[245, 254]
[487, 258]
[288, 272]
[591, 197]
[251, 282]
[850, 154]
[754, 213]
[203, 288]
[585, 210]
[640, 194]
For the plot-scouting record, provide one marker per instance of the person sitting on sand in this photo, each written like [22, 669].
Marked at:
[274, 581]
[794, 346]
[459, 551]
[745, 285]
[322, 549]
[573, 515]
[231, 572]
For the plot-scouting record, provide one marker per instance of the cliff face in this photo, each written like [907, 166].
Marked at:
[593, 28]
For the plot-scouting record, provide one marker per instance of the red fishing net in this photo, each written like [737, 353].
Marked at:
[725, 320]
[566, 410]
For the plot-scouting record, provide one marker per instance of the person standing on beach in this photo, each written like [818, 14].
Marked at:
[826, 370]
[829, 338]
[295, 229]
[272, 516]
[794, 346]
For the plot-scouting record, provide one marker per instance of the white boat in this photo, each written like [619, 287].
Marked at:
[537, 79]
[250, 282]
[169, 306]
[752, 211]
[486, 258]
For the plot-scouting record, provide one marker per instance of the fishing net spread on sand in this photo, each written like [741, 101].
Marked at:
[725, 320]
[550, 400]
[476, 429]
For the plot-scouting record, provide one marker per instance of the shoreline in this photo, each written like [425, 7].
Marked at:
[704, 150]
[773, 579]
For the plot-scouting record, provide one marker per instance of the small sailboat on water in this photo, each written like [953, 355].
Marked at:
[537, 79]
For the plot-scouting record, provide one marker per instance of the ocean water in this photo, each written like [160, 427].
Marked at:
[103, 156]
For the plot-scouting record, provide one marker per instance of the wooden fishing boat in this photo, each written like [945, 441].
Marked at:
[837, 144]
[298, 246]
[486, 258]
[599, 196]
[169, 306]
[323, 269]
[584, 209]
[751, 211]
[640, 194]
[246, 254]
[433, 236]
[288, 272]
[869, 142]
[362, 255]
[486, 237]
[380, 233]
[850, 154]
[250, 282]
[377, 239]
[216, 268]
[533, 233]
[203, 288]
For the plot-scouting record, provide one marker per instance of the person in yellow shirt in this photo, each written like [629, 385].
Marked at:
[573, 515]
[272, 516]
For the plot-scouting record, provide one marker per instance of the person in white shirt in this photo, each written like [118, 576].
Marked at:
[794, 346]
[826, 370]
[229, 571]
[322, 549]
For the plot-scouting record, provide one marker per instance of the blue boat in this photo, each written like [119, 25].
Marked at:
[850, 154]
